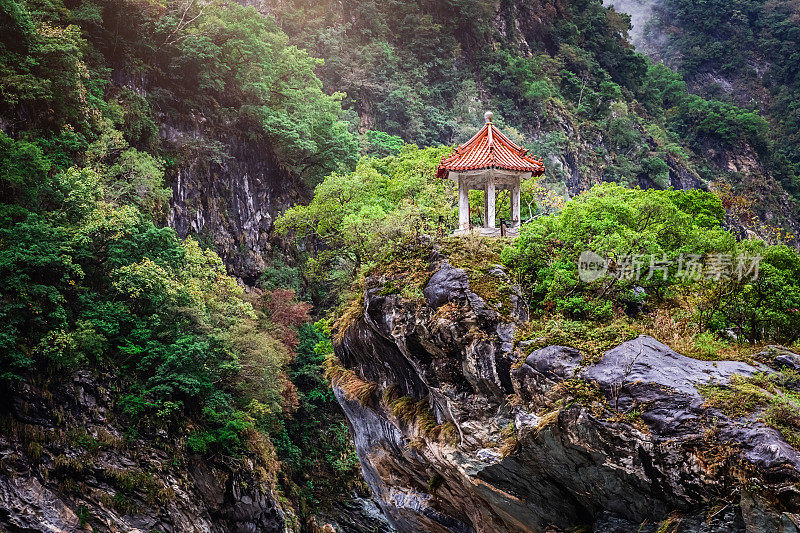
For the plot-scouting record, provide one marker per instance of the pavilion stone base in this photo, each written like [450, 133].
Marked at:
[511, 232]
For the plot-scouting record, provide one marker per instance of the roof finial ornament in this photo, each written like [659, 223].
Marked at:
[488, 116]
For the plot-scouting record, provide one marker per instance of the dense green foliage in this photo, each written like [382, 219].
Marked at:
[638, 230]
[753, 43]
[420, 63]
[87, 284]
[90, 281]
[314, 443]
[394, 60]
[613, 222]
[358, 216]
[220, 60]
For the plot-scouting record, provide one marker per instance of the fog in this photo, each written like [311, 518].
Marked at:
[641, 11]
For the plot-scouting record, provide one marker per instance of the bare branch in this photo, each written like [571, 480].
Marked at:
[183, 23]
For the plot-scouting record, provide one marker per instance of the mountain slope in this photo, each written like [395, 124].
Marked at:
[743, 52]
[207, 96]
[118, 118]
[562, 74]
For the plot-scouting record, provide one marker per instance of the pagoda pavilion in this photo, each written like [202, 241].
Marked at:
[489, 161]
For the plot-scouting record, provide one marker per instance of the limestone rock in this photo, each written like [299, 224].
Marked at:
[652, 454]
[66, 465]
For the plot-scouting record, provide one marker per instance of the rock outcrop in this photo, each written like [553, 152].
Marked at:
[228, 185]
[66, 464]
[228, 190]
[462, 431]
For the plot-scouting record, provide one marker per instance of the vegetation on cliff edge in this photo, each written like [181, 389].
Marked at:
[91, 281]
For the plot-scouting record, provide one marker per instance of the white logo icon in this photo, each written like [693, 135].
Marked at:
[591, 266]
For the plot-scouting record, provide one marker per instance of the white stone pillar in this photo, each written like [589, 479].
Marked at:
[515, 211]
[489, 198]
[463, 204]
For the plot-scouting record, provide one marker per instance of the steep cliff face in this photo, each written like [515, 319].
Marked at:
[228, 188]
[227, 183]
[735, 52]
[656, 28]
[70, 463]
[458, 430]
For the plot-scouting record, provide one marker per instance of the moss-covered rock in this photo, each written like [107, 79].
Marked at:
[481, 421]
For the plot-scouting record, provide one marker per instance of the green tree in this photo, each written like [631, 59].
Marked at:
[359, 215]
[615, 223]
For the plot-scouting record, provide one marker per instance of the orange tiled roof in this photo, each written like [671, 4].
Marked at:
[490, 149]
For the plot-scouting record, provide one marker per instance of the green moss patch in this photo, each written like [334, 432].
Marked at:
[770, 398]
[593, 339]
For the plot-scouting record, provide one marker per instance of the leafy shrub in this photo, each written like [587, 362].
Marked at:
[360, 215]
[23, 172]
[381, 144]
[767, 307]
[612, 222]
[136, 178]
[667, 225]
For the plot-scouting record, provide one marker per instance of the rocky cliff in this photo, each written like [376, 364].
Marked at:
[227, 188]
[227, 183]
[460, 427]
[70, 462]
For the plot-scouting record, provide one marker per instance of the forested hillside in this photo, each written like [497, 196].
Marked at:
[745, 53]
[209, 94]
[563, 74]
[110, 112]
[191, 192]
